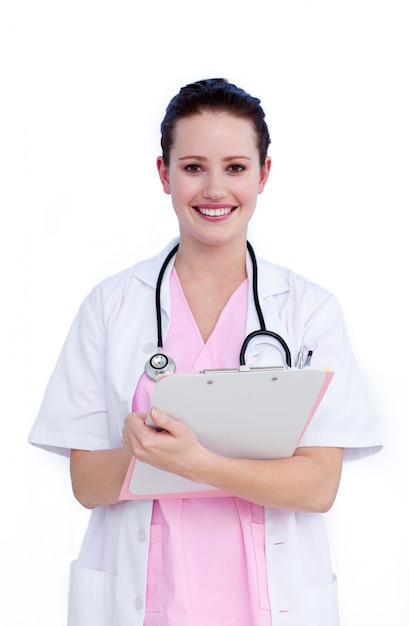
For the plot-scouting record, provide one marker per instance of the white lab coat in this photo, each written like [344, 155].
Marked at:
[90, 392]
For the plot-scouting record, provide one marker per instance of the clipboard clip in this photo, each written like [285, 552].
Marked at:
[242, 368]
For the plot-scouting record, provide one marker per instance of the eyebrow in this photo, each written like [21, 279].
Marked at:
[195, 157]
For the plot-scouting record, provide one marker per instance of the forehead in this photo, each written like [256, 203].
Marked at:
[214, 130]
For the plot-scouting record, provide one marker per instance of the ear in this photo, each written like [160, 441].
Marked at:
[264, 174]
[163, 174]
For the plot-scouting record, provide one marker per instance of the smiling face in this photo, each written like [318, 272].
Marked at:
[214, 176]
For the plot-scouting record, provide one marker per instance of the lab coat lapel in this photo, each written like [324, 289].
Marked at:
[148, 272]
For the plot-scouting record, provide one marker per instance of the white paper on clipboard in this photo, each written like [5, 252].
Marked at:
[256, 414]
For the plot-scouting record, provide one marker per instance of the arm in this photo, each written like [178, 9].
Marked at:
[97, 476]
[308, 481]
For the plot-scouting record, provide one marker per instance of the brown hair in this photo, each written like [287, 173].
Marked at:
[214, 94]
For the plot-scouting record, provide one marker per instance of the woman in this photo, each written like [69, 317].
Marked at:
[259, 557]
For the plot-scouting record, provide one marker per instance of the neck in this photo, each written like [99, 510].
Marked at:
[212, 262]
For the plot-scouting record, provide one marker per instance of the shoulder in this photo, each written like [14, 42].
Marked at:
[298, 299]
[280, 280]
[140, 274]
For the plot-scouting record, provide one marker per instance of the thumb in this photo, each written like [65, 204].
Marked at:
[163, 421]
[158, 417]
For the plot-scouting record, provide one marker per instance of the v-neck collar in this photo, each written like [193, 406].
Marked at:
[236, 295]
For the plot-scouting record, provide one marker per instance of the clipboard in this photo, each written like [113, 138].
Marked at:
[246, 413]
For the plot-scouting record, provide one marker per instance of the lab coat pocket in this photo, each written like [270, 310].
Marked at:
[91, 597]
[154, 588]
[323, 605]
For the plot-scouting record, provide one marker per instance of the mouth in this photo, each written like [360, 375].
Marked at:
[220, 211]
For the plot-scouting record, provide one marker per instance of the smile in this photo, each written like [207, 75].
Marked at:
[220, 212]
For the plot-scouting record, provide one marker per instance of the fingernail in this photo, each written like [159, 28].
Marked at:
[155, 414]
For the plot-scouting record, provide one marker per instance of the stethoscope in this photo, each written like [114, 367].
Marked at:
[161, 364]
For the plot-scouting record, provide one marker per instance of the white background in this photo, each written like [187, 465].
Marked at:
[83, 89]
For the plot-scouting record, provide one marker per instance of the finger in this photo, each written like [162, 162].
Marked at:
[158, 417]
[132, 428]
[164, 422]
[135, 418]
[134, 422]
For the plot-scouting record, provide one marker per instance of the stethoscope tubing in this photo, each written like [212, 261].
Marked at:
[263, 329]
[157, 294]
[153, 372]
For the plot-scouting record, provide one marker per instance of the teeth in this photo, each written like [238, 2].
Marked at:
[214, 212]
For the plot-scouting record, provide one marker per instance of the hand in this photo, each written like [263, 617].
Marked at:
[173, 448]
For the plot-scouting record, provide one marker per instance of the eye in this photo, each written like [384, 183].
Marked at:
[236, 168]
[192, 168]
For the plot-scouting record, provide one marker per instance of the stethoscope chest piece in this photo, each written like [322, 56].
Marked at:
[159, 365]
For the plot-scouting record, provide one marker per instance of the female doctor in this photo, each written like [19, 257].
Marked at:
[260, 556]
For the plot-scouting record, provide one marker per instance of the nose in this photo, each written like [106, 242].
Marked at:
[215, 187]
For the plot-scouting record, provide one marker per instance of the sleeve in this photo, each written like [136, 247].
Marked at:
[345, 417]
[73, 413]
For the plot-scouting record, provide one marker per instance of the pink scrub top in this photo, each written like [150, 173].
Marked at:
[207, 561]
